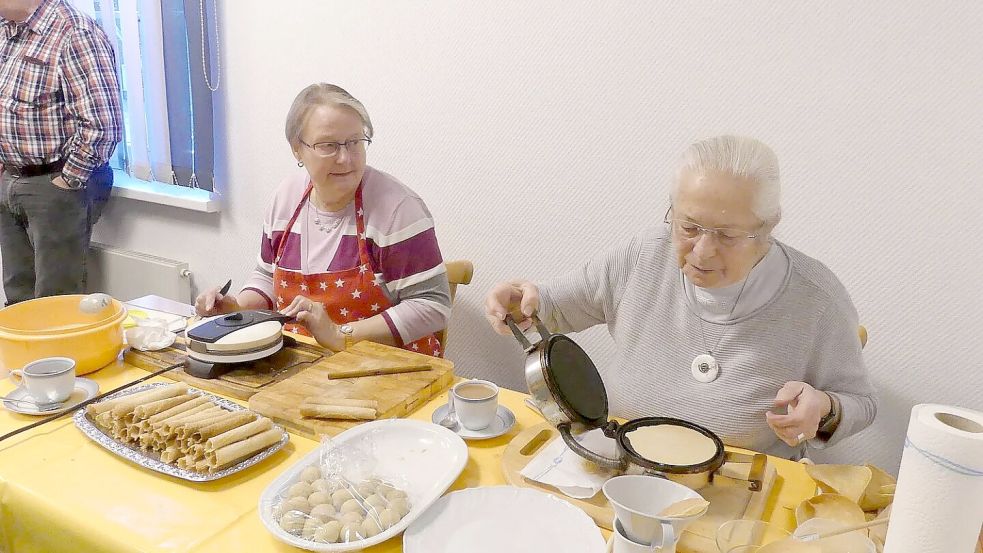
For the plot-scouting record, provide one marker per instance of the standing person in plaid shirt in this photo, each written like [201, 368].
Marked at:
[60, 120]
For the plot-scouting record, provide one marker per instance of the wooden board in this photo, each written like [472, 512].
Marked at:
[346, 364]
[241, 383]
[729, 499]
[397, 394]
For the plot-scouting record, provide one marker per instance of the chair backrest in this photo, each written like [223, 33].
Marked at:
[862, 331]
[459, 271]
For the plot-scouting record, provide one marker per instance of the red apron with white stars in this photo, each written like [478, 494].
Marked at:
[350, 295]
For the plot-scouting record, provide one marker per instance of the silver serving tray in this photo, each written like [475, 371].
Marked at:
[150, 459]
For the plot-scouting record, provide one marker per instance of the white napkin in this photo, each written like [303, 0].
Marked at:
[558, 466]
[149, 335]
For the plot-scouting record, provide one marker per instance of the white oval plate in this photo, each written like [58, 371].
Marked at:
[425, 457]
[502, 518]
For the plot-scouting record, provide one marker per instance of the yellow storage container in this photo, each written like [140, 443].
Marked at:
[54, 326]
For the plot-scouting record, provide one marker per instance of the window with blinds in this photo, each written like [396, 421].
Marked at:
[169, 65]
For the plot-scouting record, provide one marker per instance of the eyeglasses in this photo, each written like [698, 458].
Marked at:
[331, 149]
[688, 230]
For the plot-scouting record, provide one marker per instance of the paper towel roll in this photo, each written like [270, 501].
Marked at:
[938, 505]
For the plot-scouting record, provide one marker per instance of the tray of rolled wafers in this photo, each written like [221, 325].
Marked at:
[181, 431]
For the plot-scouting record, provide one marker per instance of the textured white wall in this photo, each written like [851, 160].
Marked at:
[540, 133]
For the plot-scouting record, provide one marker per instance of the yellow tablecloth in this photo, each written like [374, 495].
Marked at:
[59, 491]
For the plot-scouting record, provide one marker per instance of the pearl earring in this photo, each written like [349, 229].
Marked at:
[300, 164]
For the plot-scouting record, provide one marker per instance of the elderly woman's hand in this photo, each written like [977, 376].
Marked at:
[805, 407]
[212, 302]
[519, 297]
[312, 315]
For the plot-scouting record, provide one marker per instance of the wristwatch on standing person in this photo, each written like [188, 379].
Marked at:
[72, 182]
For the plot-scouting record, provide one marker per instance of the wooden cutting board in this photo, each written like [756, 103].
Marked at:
[729, 499]
[241, 383]
[347, 364]
[397, 394]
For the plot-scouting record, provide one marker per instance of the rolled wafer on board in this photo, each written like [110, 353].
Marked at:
[339, 412]
[341, 402]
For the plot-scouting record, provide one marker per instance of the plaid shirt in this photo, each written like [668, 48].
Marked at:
[59, 96]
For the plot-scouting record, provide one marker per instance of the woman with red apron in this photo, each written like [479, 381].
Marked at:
[347, 295]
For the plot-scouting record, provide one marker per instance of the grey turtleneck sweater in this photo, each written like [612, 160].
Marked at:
[794, 321]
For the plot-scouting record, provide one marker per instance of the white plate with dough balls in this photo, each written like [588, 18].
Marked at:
[415, 462]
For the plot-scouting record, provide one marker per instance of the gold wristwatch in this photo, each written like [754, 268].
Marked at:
[347, 331]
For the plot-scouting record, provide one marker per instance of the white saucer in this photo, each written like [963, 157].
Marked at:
[84, 389]
[504, 421]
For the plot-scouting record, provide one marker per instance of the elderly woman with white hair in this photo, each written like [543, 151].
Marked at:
[715, 321]
[347, 250]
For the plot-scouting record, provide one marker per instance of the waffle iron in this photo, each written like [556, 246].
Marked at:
[218, 344]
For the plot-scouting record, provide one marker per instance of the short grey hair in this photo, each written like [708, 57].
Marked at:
[321, 94]
[741, 157]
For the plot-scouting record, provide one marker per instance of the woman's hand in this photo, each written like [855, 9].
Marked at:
[805, 406]
[312, 315]
[519, 297]
[213, 302]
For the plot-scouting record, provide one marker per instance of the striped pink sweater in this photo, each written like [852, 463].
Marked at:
[401, 240]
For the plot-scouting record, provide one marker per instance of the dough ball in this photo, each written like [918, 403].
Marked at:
[389, 518]
[349, 533]
[377, 501]
[323, 512]
[369, 527]
[293, 522]
[300, 489]
[351, 518]
[339, 498]
[328, 532]
[311, 526]
[322, 485]
[401, 506]
[351, 506]
[297, 504]
[319, 498]
[366, 489]
[310, 473]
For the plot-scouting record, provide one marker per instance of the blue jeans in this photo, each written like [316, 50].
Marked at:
[45, 232]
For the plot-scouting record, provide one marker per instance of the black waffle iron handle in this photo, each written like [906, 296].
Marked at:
[610, 430]
[527, 346]
[220, 327]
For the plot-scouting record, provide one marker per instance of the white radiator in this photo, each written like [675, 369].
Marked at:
[127, 275]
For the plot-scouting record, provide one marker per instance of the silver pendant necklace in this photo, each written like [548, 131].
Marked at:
[705, 367]
[329, 223]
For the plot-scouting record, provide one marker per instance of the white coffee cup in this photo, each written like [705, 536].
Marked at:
[48, 380]
[475, 403]
[624, 545]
